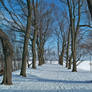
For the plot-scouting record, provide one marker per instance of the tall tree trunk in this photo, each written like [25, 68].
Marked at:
[62, 52]
[74, 53]
[8, 54]
[67, 52]
[61, 59]
[39, 52]
[33, 55]
[33, 50]
[90, 6]
[40, 46]
[35, 34]
[74, 29]
[26, 41]
[70, 62]
[58, 47]
[73, 46]
[39, 57]
[42, 54]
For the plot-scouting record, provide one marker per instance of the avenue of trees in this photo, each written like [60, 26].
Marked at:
[26, 26]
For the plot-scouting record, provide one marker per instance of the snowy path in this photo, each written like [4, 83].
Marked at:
[50, 78]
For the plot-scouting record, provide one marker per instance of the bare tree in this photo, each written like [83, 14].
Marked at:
[44, 30]
[35, 7]
[8, 53]
[61, 33]
[74, 30]
[61, 58]
[67, 50]
[26, 40]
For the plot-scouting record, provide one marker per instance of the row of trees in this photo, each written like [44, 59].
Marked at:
[72, 32]
[32, 23]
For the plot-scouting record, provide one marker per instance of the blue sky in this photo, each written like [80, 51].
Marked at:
[53, 42]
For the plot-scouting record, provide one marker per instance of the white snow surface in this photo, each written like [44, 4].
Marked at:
[85, 65]
[50, 78]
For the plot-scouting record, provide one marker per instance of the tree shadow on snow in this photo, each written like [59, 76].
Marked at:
[61, 90]
[39, 79]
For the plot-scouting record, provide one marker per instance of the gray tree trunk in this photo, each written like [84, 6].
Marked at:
[70, 62]
[35, 34]
[8, 54]
[62, 52]
[67, 52]
[90, 6]
[26, 41]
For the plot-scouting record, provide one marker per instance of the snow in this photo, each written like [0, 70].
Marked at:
[50, 78]
[85, 65]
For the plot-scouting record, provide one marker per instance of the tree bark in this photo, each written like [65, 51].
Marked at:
[40, 48]
[90, 6]
[61, 59]
[58, 48]
[34, 34]
[62, 52]
[38, 52]
[42, 55]
[73, 48]
[26, 41]
[70, 62]
[67, 52]
[8, 54]
[74, 30]
[33, 55]
[33, 50]
[39, 57]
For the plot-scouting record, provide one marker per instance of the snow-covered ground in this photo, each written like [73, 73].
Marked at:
[50, 78]
[85, 65]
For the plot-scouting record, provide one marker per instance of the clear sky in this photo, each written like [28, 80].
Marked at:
[52, 42]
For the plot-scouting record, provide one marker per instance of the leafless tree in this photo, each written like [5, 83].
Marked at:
[35, 8]
[8, 53]
[44, 30]
[26, 40]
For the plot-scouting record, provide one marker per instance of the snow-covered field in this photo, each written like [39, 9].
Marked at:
[85, 65]
[50, 78]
